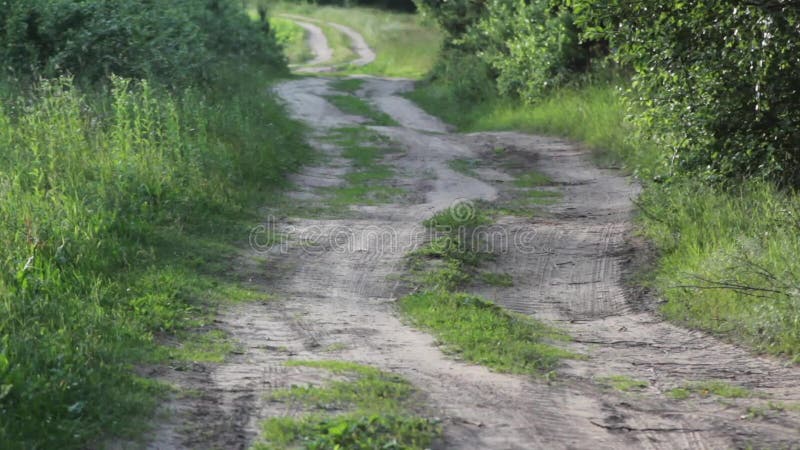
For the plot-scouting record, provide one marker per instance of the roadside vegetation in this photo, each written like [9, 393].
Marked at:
[709, 130]
[135, 138]
[290, 36]
[468, 325]
[368, 409]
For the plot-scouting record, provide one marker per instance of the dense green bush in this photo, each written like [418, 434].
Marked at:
[530, 46]
[717, 80]
[174, 42]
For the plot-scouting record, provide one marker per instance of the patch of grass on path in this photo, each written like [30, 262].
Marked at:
[373, 409]
[468, 325]
[623, 383]
[351, 104]
[717, 388]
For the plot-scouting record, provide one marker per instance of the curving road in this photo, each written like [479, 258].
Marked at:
[319, 46]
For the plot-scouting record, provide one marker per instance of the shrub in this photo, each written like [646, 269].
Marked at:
[717, 80]
[174, 42]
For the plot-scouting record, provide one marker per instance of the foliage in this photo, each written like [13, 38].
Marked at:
[529, 47]
[173, 42]
[717, 80]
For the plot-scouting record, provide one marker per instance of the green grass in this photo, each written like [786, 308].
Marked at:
[350, 104]
[623, 383]
[484, 333]
[405, 45]
[292, 37]
[728, 260]
[468, 325]
[119, 218]
[593, 114]
[367, 181]
[716, 388]
[371, 409]
[350, 85]
[532, 179]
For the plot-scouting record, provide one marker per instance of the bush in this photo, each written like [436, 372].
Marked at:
[717, 81]
[530, 47]
[173, 42]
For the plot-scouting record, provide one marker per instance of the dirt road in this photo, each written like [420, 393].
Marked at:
[335, 279]
[323, 53]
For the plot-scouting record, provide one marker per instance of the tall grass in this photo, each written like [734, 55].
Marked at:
[726, 254]
[98, 194]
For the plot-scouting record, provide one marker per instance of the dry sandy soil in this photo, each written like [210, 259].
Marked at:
[334, 282]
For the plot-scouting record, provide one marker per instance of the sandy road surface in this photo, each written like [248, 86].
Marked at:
[335, 280]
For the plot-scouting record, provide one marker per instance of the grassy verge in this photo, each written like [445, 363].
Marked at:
[369, 409]
[117, 214]
[405, 45]
[470, 326]
[725, 254]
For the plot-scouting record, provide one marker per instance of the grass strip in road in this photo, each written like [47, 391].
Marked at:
[367, 181]
[717, 388]
[350, 104]
[469, 325]
[623, 383]
[371, 409]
